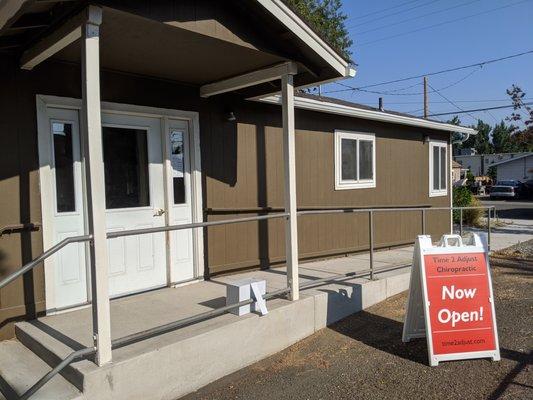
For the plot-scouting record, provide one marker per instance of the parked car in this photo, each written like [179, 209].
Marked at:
[501, 191]
[517, 185]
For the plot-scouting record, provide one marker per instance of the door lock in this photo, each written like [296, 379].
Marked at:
[159, 212]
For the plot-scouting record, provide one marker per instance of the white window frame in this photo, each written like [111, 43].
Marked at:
[343, 184]
[441, 192]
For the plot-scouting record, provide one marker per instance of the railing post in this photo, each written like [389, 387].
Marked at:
[423, 222]
[371, 242]
[289, 158]
[488, 226]
[461, 222]
[94, 182]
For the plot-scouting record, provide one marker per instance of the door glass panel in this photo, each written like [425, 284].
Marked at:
[176, 161]
[126, 167]
[64, 166]
[349, 159]
[365, 159]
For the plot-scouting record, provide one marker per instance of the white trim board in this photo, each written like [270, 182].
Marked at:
[295, 24]
[305, 103]
[44, 102]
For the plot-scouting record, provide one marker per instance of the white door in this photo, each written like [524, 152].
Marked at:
[179, 199]
[60, 150]
[135, 199]
[147, 166]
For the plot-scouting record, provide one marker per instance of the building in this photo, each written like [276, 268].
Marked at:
[519, 168]
[479, 164]
[137, 115]
[458, 172]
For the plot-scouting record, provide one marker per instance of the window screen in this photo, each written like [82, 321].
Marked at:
[349, 159]
[366, 159]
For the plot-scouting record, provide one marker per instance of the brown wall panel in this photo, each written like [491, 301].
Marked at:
[242, 166]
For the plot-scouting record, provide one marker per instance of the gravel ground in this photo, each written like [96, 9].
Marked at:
[522, 251]
[363, 357]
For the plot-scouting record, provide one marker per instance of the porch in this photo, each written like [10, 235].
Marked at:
[178, 362]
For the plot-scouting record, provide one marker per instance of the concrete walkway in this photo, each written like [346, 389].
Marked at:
[508, 233]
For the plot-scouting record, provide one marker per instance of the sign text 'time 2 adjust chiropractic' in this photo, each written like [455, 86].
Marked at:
[450, 300]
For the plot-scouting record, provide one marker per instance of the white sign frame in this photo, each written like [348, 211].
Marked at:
[417, 300]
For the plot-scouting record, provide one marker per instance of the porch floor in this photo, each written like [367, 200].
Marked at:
[150, 309]
[193, 356]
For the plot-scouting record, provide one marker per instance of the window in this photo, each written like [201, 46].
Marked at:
[355, 160]
[126, 167]
[64, 167]
[438, 169]
[176, 162]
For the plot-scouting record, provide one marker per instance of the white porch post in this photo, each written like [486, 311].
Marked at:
[94, 182]
[289, 158]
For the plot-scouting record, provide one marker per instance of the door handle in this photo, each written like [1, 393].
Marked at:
[159, 212]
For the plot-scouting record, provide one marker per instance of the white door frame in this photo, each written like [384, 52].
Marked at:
[45, 174]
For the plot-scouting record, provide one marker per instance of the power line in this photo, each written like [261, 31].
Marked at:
[482, 63]
[382, 10]
[456, 101]
[391, 92]
[478, 109]
[392, 14]
[452, 103]
[415, 18]
[442, 23]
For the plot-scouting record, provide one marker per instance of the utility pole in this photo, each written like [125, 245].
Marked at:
[426, 99]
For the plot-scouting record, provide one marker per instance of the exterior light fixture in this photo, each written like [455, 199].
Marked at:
[230, 116]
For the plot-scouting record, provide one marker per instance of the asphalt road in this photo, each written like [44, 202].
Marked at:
[363, 357]
[511, 209]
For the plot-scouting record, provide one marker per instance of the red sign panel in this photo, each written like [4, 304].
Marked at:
[460, 310]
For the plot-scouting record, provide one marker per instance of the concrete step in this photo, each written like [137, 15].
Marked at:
[52, 348]
[20, 368]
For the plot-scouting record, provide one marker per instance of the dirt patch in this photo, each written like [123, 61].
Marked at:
[363, 357]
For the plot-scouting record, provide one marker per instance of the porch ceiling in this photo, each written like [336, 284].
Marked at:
[133, 44]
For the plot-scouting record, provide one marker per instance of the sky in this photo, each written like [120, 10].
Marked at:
[384, 49]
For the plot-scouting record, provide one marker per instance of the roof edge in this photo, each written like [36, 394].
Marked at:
[301, 29]
[512, 159]
[374, 115]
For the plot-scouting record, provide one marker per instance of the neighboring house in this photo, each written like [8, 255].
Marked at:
[479, 164]
[518, 168]
[135, 115]
[457, 171]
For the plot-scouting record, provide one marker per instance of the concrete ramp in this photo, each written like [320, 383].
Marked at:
[179, 362]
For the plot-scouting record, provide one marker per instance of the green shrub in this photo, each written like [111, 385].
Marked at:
[473, 217]
[462, 197]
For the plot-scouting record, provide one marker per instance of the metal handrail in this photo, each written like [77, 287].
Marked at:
[51, 251]
[30, 226]
[158, 229]
[142, 335]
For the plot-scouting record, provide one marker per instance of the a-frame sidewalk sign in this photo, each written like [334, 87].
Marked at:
[451, 301]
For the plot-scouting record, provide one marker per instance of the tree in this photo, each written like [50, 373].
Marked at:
[501, 138]
[517, 97]
[520, 140]
[481, 142]
[327, 17]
